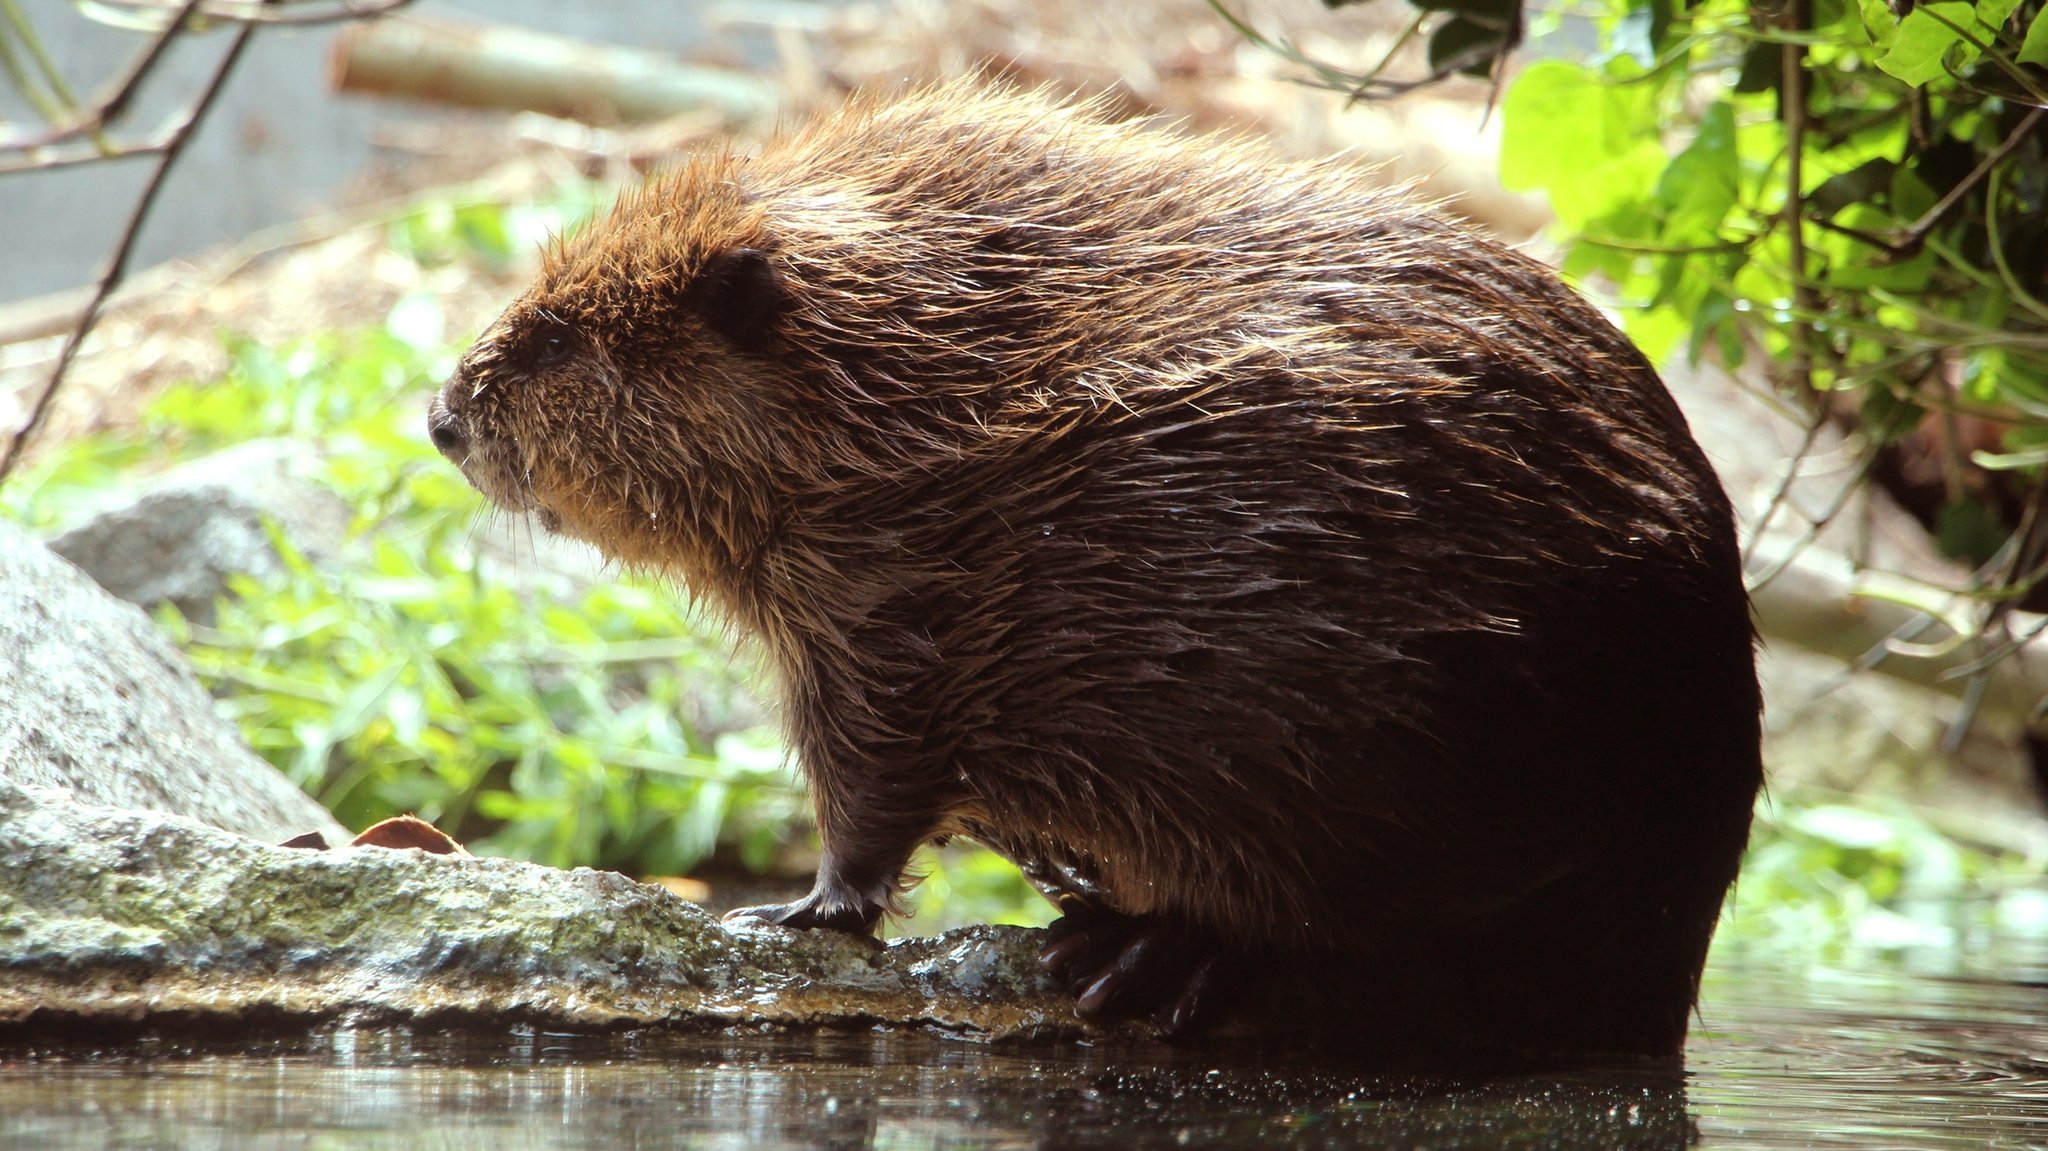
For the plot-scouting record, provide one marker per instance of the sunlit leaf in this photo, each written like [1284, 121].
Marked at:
[1992, 13]
[2034, 49]
[1591, 145]
[1921, 51]
[1699, 187]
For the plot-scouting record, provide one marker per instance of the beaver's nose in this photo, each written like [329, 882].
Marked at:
[446, 429]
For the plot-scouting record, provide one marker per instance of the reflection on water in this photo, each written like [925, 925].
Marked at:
[1954, 1054]
[1948, 1059]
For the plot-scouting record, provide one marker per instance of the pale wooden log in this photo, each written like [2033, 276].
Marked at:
[517, 69]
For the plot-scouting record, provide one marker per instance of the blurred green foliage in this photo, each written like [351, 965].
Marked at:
[1842, 874]
[1915, 270]
[1859, 190]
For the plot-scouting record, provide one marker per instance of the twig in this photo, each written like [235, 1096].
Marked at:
[77, 155]
[1857, 234]
[1369, 85]
[2011, 644]
[52, 75]
[1664, 249]
[1909, 241]
[2006, 277]
[1817, 418]
[274, 13]
[18, 75]
[1387, 59]
[2036, 95]
[1755, 581]
[117, 262]
[1974, 688]
[110, 106]
[1792, 93]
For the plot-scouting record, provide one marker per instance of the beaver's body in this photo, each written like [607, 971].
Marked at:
[1292, 579]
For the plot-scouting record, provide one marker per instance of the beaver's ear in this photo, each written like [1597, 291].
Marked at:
[739, 293]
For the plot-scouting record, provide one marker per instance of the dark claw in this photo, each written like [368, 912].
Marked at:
[1126, 981]
[1184, 1015]
[1097, 995]
[1061, 952]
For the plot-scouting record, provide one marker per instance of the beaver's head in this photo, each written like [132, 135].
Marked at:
[619, 398]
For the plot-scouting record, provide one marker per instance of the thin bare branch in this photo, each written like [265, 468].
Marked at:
[53, 77]
[270, 12]
[1909, 241]
[1792, 92]
[75, 155]
[110, 106]
[1817, 418]
[117, 261]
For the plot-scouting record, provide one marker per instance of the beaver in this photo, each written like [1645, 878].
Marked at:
[1302, 589]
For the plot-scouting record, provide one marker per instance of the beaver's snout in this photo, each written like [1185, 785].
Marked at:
[449, 431]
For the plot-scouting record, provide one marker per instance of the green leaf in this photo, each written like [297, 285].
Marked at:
[1921, 52]
[2034, 50]
[1863, 183]
[1592, 145]
[1909, 196]
[1880, 22]
[1992, 13]
[1700, 186]
[1827, 15]
[1857, 265]
[1969, 531]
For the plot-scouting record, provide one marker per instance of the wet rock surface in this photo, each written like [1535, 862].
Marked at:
[124, 917]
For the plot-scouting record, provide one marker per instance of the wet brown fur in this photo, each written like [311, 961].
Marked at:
[1239, 540]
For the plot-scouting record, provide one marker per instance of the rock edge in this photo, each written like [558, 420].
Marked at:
[131, 918]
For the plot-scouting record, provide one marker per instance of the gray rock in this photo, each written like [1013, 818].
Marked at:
[188, 530]
[94, 699]
[130, 917]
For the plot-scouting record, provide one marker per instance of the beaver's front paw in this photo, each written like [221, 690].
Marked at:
[834, 913]
[1138, 966]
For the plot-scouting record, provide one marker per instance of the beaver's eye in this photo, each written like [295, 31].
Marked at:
[551, 349]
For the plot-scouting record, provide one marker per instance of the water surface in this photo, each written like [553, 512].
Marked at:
[1877, 1056]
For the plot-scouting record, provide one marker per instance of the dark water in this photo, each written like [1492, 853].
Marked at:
[1874, 1057]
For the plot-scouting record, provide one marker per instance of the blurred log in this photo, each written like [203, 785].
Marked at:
[40, 317]
[516, 69]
